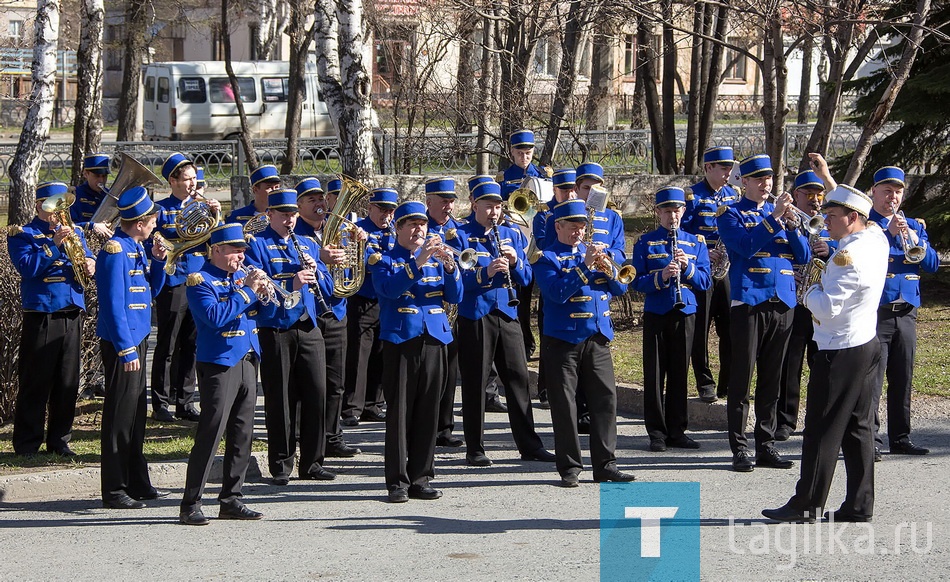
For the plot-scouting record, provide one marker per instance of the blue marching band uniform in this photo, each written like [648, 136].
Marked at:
[397, 337]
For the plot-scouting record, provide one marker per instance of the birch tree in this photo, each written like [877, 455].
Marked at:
[87, 131]
[273, 18]
[25, 167]
[340, 42]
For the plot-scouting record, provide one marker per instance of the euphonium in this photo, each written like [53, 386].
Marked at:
[721, 267]
[58, 206]
[340, 232]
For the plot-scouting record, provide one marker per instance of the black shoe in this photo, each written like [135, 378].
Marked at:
[539, 455]
[846, 517]
[342, 450]
[570, 480]
[613, 475]
[238, 511]
[372, 416]
[194, 517]
[478, 460]
[657, 445]
[162, 415]
[398, 495]
[878, 455]
[907, 448]
[350, 421]
[782, 433]
[449, 441]
[771, 458]
[788, 514]
[722, 393]
[319, 474]
[188, 414]
[682, 442]
[63, 451]
[742, 462]
[707, 393]
[122, 501]
[281, 481]
[496, 405]
[153, 494]
[419, 492]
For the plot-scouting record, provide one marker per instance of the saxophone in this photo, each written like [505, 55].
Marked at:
[58, 206]
[343, 233]
[810, 273]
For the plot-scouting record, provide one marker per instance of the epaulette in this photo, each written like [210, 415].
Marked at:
[842, 258]
[721, 210]
[14, 229]
[112, 247]
[450, 234]
[548, 171]
[194, 279]
[701, 238]
[374, 258]
[689, 196]
[500, 177]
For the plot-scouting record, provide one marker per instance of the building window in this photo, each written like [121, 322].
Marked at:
[113, 47]
[586, 62]
[629, 55]
[15, 30]
[546, 57]
[735, 65]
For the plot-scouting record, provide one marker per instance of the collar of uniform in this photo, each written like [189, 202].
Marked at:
[41, 225]
[304, 228]
[877, 217]
[559, 248]
[215, 271]
[433, 225]
[270, 233]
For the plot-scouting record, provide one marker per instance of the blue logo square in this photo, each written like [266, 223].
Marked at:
[649, 531]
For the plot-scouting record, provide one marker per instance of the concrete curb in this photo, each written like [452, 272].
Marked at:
[70, 483]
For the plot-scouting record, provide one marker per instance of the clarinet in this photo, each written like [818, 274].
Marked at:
[678, 303]
[512, 297]
[305, 258]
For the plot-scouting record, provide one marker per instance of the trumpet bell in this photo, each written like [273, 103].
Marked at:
[915, 254]
[467, 259]
[626, 274]
[59, 202]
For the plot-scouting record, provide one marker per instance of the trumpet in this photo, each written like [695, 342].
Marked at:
[913, 252]
[272, 289]
[621, 273]
[813, 225]
[466, 259]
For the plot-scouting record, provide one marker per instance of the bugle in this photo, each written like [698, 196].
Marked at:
[813, 225]
[913, 252]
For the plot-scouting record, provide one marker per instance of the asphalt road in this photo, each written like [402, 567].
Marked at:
[507, 522]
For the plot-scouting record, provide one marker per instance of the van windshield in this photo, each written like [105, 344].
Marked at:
[221, 92]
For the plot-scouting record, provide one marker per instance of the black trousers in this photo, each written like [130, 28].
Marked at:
[837, 418]
[334, 341]
[800, 347]
[494, 339]
[524, 317]
[173, 361]
[228, 398]
[760, 335]
[293, 374]
[414, 378]
[566, 367]
[449, 385]
[364, 358]
[666, 342]
[897, 333]
[49, 376]
[124, 469]
[712, 306]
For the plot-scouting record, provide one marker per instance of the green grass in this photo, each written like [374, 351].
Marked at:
[164, 441]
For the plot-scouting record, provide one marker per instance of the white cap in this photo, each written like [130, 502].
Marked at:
[849, 197]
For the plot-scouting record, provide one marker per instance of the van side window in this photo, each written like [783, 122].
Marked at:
[149, 89]
[221, 92]
[163, 88]
[191, 90]
[276, 89]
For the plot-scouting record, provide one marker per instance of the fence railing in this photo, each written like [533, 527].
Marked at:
[620, 152]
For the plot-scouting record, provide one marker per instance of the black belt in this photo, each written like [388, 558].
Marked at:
[893, 307]
[775, 300]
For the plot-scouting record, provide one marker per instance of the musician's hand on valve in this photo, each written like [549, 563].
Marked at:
[332, 255]
[90, 265]
[102, 229]
[897, 225]
[820, 249]
[60, 235]
[716, 255]
[427, 249]
[361, 234]
[256, 280]
[159, 252]
[592, 256]
[782, 204]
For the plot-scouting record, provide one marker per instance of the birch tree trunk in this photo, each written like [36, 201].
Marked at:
[25, 167]
[136, 26]
[340, 40]
[486, 85]
[879, 116]
[272, 21]
[87, 131]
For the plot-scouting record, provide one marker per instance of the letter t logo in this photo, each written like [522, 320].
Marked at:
[649, 527]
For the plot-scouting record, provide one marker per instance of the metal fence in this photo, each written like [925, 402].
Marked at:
[620, 152]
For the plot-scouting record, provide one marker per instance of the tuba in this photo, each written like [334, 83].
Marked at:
[58, 206]
[131, 173]
[343, 233]
[193, 224]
